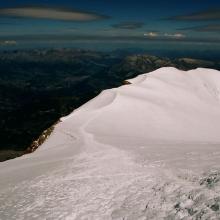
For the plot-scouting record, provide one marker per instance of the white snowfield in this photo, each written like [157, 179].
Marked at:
[149, 150]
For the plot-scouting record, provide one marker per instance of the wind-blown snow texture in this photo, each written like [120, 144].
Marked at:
[149, 150]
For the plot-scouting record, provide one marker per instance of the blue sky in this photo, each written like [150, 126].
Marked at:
[87, 21]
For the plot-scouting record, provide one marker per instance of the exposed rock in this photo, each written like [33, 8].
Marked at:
[46, 133]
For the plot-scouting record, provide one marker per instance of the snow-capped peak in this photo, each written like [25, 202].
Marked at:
[148, 150]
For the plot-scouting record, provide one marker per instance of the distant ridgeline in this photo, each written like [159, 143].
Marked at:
[37, 87]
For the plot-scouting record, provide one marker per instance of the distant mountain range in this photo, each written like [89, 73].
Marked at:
[37, 87]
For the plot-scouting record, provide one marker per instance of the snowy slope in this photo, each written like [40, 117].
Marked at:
[149, 150]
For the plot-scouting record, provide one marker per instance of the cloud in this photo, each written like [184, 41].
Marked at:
[128, 25]
[151, 34]
[72, 29]
[205, 28]
[176, 35]
[211, 14]
[164, 35]
[50, 13]
[8, 42]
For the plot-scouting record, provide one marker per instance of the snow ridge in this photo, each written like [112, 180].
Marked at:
[148, 150]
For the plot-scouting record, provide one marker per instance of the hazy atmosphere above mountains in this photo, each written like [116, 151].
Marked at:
[110, 24]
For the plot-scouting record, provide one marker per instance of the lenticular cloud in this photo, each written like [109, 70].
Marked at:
[51, 13]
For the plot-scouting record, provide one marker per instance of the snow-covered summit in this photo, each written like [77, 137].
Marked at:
[148, 150]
